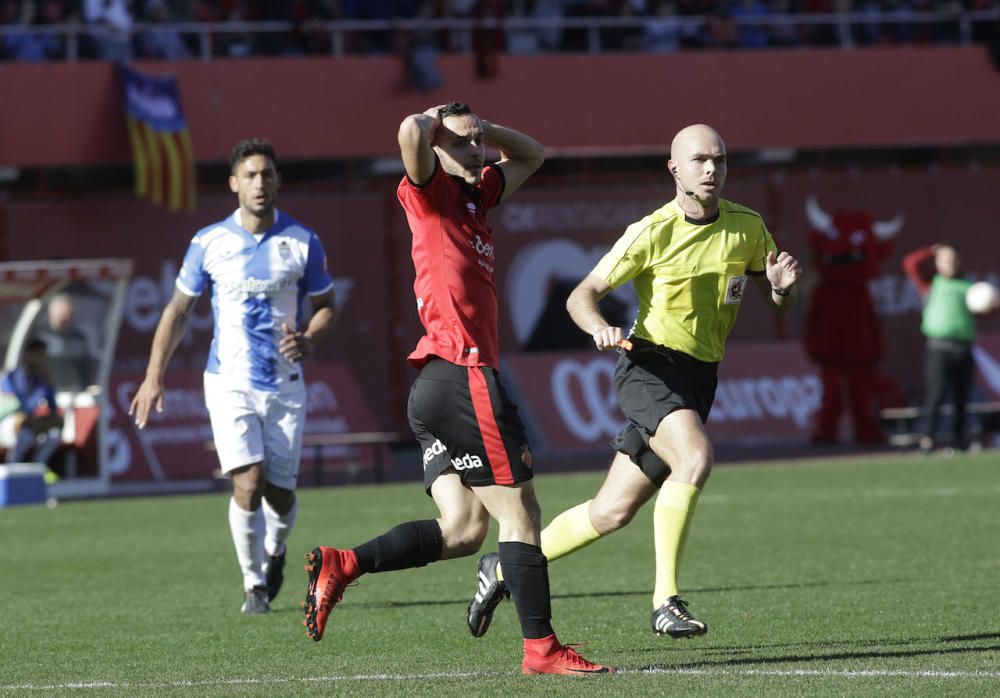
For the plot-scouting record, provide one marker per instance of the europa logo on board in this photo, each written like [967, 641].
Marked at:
[767, 390]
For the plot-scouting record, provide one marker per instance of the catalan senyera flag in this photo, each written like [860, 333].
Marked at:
[161, 144]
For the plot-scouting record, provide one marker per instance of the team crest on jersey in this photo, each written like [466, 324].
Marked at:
[526, 455]
[284, 250]
[472, 207]
[734, 291]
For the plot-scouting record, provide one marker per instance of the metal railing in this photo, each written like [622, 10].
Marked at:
[843, 26]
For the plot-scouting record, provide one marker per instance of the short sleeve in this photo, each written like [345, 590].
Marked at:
[627, 258]
[758, 262]
[491, 186]
[317, 278]
[417, 198]
[191, 279]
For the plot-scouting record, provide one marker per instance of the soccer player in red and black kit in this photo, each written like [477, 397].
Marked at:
[477, 462]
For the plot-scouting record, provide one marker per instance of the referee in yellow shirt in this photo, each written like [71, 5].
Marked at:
[690, 262]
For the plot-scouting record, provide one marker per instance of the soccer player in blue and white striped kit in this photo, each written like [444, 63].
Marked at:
[259, 264]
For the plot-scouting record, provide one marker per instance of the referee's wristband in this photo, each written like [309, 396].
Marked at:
[781, 291]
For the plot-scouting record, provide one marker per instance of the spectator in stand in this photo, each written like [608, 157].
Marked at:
[312, 16]
[421, 48]
[950, 330]
[819, 34]
[275, 43]
[627, 38]
[488, 37]
[868, 32]
[377, 41]
[662, 33]
[166, 45]
[30, 429]
[751, 34]
[721, 30]
[548, 37]
[781, 34]
[112, 21]
[237, 45]
[28, 45]
[901, 31]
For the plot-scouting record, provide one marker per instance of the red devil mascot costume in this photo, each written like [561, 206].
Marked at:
[842, 332]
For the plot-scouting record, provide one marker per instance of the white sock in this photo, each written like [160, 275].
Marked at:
[279, 527]
[248, 537]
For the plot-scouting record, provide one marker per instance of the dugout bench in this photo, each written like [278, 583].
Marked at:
[900, 422]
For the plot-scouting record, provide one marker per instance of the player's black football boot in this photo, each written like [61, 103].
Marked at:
[674, 619]
[274, 571]
[490, 593]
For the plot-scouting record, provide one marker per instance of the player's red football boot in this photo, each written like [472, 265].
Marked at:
[547, 656]
[327, 579]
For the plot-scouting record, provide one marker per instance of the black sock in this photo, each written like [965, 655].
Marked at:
[410, 544]
[526, 573]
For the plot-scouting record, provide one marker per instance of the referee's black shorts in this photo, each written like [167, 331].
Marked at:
[651, 382]
[464, 421]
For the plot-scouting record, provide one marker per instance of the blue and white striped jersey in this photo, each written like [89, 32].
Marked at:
[255, 287]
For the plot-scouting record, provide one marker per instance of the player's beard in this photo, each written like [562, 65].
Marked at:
[262, 210]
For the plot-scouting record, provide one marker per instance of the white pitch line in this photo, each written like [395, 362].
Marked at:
[833, 673]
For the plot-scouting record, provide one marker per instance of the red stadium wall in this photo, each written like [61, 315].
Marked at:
[547, 238]
[314, 108]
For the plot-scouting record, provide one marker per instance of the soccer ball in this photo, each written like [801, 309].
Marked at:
[982, 297]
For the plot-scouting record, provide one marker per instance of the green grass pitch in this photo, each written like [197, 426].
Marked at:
[843, 577]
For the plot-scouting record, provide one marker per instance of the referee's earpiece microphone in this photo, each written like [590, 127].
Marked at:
[683, 188]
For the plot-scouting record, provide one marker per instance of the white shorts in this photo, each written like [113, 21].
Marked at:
[257, 426]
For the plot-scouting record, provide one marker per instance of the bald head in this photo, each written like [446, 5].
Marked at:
[697, 136]
[698, 163]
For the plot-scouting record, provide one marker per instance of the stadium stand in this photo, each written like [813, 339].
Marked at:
[177, 29]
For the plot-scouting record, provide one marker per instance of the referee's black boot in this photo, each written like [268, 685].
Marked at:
[274, 571]
[674, 619]
[490, 593]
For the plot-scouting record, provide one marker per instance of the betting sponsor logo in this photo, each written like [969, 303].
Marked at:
[467, 462]
[254, 287]
[435, 449]
[485, 249]
[464, 462]
[486, 252]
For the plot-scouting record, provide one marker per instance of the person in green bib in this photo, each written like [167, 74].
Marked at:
[950, 329]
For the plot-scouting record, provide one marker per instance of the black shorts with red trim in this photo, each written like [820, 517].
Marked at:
[651, 382]
[465, 422]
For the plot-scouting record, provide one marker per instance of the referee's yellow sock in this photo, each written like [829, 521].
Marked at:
[568, 532]
[672, 516]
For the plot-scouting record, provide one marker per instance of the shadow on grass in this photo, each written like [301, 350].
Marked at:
[830, 645]
[819, 656]
[624, 593]
[880, 642]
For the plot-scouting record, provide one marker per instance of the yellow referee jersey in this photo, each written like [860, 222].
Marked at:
[690, 276]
